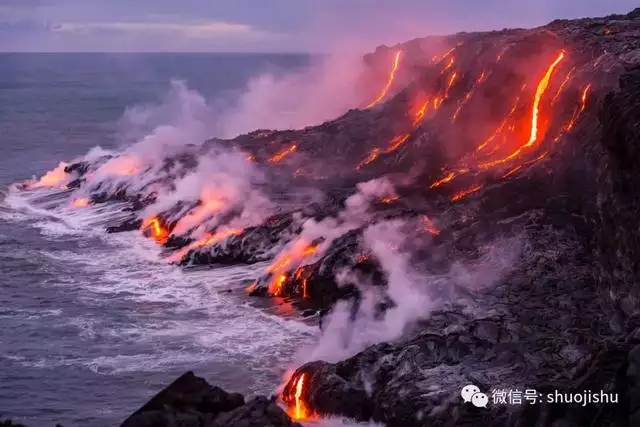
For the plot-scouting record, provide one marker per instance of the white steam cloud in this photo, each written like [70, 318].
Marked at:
[415, 295]
[323, 91]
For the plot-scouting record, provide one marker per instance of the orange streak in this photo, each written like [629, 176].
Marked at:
[429, 226]
[563, 84]
[158, 232]
[583, 105]
[421, 112]
[540, 91]
[444, 180]
[462, 194]
[290, 257]
[276, 158]
[392, 76]
[447, 53]
[80, 203]
[467, 97]
[396, 143]
[208, 240]
[372, 156]
[500, 127]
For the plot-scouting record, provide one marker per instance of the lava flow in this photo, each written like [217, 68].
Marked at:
[277, 158]
[296, 406]
[429, 226]
[53, 178]
[209, 239]
[122, 166]
[157, 230]
[538, 125]
[535, 130]
[211, 203]
[80, 203]
[392, 77]
[289, 258]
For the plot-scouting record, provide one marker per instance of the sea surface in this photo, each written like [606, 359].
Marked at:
[92, 325]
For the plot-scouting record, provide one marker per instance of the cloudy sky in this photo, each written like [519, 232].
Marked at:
[264, 25]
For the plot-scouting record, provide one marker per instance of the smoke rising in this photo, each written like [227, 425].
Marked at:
[414, 294]
[324, 90]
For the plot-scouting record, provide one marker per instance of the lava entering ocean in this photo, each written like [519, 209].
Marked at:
[157, 230]
[288, 259]
[293, 398]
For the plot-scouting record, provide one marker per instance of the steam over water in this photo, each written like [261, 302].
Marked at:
[91, 325]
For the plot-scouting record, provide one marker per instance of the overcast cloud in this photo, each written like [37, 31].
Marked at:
[265, 25]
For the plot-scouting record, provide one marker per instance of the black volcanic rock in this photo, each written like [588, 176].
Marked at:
[258, 412]
[191, 402]
[130, 224]
[253, 245]
[567, 316]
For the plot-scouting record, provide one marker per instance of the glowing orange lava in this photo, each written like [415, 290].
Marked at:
[390, 199]
[396, 143]
[499, 129]
[429, 226]
[563, 84]
[53, 178]
[297, 408]
[464, 193]
[447, 178]
[209, 239]
[80, 203]
[468, 96]
[370, 158]
[277, 158]
[157, 230]
[123, 166]
[212, 202]
[392, 77]
[289, 258]
[535, 115]
[583, 105]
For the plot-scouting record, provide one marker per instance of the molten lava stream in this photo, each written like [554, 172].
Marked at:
[297, 408]
[429, 226]
[208, 239]
[80, 203]
[370, 158]
[51, 179]
[468, 96]
[278, 157]
[464, 193]
[289, 258]
[392, 77]
[535, 131]
[447, 178]
[158, 231]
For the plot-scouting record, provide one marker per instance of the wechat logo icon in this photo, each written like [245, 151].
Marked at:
[471, 393]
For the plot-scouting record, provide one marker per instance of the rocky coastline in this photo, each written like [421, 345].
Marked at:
[562, 207]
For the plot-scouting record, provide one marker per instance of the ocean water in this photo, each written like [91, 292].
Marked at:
[92, 325]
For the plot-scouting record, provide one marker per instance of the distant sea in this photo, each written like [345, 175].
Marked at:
[92, 325]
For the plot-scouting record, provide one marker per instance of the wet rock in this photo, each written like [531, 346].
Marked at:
[130, 224]
[191, 402]
[258, 412]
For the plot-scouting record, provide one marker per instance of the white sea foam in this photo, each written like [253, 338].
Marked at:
[176, 318]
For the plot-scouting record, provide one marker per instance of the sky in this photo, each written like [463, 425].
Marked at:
[265, 25]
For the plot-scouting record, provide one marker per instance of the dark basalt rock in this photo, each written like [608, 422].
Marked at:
[253, 245]
[191, 402]
[258, 412]
[130, 224]
[567, 317]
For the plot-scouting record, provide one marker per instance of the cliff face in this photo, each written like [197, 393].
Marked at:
[564, 320]
[499, 168]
